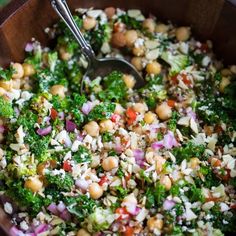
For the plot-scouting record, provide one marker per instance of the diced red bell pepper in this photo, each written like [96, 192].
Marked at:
[53, 114]
[131, 115]
[67, 166]
[124, 214]
[171, 103]
[129, 231]
[103, 180]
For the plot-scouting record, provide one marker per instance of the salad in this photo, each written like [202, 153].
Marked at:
[159, 160]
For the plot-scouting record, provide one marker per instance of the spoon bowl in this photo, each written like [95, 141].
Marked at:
[96, 67]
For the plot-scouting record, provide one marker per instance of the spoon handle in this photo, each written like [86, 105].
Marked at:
[62, 9]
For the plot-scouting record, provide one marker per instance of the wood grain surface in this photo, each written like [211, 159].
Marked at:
[23, 19]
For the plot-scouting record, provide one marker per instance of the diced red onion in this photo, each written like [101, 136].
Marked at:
[61, 206]
[41, 228]
[86, 108]
[118, 148]
[47, 120]
[80, 137]
[65, 215]
[157, 145]
[2, 129]
[70, 126]
[138, 153]
[44, 131]
[30, 234]
[169, 140]
[17, 111]
[133, 210]
[67, 140]
[168, 204]
[82, 183]
[14, 231]
[29, 47]
[61, 115]
[154, 127]
[53, 208]
[191, 113]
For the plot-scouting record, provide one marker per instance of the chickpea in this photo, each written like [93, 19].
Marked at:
[83, 232]
[139, 51]
[224, 83]
[2, 91]
[129, 81]
[89, 23]
[194, 162]
[140, 107]
[226, 72]
[119, 27]
[154, 223]
[28, 69]
[163, 111]
[95, 191]
[149, 25]
[118, 39]
[137, 63]
[182, 33]
[110, 12]
[92, 128]
[19, 71]
[149, 117]
[16, 83]
[34, 184]
[7, 85]
[161, 28]
[233, 69]
[58, 90]
[119, 109]
[153, 68]
[165, 181]
[138, 129]
[106, 125]
[64, 54]
[110, 163]
[159, 164]
[130, 37]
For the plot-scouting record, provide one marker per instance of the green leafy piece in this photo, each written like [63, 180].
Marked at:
[177, 62]
[102, 111]
[187, 151]
[114, 88]
[52, 60]
[159, 194]
[150, 199]
[121, 192]
[82, 155]
[179, 209]
[107, 137]
[175, 190]
[63, 183]
[195, 194]
[80, 206]
[35, 58]
[78, 116]
[120, 172]
[25, 198]
[99, 220]
[144, 177]
[172, 123]
[7, 73]
[6, 109]
[131, 22]
[78, 100]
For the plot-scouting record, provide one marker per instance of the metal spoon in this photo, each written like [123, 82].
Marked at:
[96, 67]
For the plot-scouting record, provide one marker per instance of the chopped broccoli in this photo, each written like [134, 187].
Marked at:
[114, 88]
[101, 111]
[6, 109]
[63, 183]
[177, 62]
[82, 155]
[7, 73]
[80, 206]
[107, 137]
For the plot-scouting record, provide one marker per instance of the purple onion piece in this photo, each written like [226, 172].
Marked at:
[29, 47]
[41, 228]
[53, 209]
[61, 206]
[65, 215]
[70, 126]
[14, 231]
[168, 204]
[61, 115]
[169, 140]
[2, 129]
[44, 131]
[81, 183]
[157, 145]
[86, 108]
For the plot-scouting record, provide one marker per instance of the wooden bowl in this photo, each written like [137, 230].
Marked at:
[23, 19]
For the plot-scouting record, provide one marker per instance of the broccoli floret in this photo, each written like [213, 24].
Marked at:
[80, 206]
[177, 62]
[63, 183]
[6, 109]
[7, 73]
[114, 88]
[25, 198]
[102, 111]
[82, 155]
